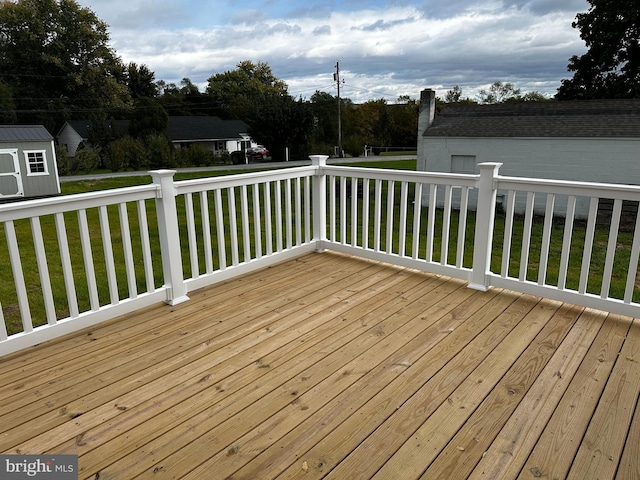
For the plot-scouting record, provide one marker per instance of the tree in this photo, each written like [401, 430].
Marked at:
[499, 92]
[7, 105]
[148, 118]
[324, 107]
[55, 56]
[141, 81]
[404, 122]
[185, 99]
[455, 96]
[281, 123]
[535, 97]
[611, 66]
[373, 123]
[239, 92]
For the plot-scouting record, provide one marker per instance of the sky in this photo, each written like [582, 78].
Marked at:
[385, 49]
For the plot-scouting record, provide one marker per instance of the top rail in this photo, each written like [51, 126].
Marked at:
[586, 189]
[66, 203]
[458, 179]
[228, 181]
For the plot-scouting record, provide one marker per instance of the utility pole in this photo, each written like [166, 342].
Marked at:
[336, 78]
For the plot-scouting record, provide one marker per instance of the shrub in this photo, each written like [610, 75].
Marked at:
[62, 160]
[161, 151]
[223, 158]
[320, 148]
[196, 155]
[125, 153]
[85, 161]
[353, 146]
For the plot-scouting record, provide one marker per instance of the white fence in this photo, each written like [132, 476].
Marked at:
[69, 262]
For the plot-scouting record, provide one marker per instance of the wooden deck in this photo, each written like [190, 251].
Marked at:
[337, 367]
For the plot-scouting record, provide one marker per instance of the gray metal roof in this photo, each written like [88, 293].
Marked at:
[24, 133]
[586, 118]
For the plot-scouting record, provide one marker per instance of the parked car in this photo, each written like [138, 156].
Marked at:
[259, 152]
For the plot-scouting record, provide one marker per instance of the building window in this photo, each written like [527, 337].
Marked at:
[463, 164]
[36, 162]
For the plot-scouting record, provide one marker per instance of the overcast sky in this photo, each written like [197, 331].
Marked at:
[385, 48]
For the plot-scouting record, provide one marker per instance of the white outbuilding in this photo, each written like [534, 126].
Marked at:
[586, 140]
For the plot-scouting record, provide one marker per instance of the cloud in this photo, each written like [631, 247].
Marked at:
[382, 24]
[248, 17]
[542, 7]
[323, 30]
[122, 14]
[384, 51]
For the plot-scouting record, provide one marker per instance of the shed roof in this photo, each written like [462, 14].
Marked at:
[585, 118]
[24, 133]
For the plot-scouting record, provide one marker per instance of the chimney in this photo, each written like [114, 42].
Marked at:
[425, 118]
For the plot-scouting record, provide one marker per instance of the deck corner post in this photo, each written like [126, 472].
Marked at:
[485, 217]
[319, 191]
[169, 233]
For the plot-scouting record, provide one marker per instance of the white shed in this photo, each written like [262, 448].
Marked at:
[28, 166]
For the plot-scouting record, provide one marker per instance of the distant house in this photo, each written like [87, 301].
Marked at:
[72, 134]
[28, 166]
[589, 140]
[215, 134]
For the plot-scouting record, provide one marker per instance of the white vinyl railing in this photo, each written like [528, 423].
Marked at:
[596, 230]
[69, 262]
[234, 224]
[394, 216]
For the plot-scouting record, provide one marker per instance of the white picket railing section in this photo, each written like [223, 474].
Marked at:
[80, 259]
[238, 223]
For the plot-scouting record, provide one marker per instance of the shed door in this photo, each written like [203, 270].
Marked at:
[10, 179]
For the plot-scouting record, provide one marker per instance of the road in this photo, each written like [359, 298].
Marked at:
[250, 166]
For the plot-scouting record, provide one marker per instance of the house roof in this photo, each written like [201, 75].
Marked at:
[585, 118]
[24, 133]
[204, 128]
[80, 126]
[183, 129]
[83, 127]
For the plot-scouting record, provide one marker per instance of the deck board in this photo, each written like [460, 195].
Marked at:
[338, 367]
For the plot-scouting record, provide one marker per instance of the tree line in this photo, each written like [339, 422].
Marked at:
[56, 65]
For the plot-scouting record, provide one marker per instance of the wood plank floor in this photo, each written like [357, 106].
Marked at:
[329, 366]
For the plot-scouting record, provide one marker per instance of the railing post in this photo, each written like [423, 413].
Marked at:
[169, 233]
[485, 216]
[319, 190]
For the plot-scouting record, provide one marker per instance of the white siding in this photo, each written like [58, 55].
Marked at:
[579, 159]
[582, 159]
